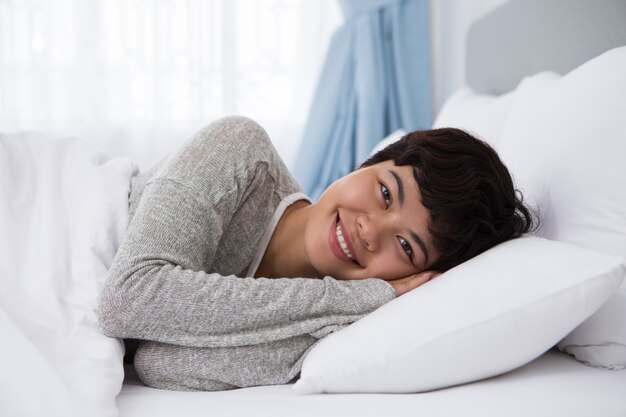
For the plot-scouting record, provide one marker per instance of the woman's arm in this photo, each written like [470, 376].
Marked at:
[185, 368]
[157, 289]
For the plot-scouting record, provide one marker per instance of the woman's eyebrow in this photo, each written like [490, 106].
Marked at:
[400, 186]
[421, 244]
[414, 235]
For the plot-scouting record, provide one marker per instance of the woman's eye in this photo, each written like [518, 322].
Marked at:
[386, 194]
[407, 247]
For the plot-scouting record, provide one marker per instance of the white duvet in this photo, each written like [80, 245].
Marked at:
[63, 211]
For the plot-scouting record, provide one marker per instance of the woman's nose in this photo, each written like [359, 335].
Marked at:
[368, 232]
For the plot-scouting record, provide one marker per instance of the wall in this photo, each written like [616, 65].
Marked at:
[450, 21]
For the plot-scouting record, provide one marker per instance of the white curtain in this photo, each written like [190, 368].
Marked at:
[138, 77]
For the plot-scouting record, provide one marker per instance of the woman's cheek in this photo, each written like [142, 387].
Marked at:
[353, 192]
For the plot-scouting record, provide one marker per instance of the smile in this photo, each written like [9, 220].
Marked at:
[342, 242]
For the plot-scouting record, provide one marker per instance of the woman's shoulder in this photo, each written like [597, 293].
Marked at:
[239, 137]
[228, 150]
[232, 154]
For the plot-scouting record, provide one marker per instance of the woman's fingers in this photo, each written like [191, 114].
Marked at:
[406, 284]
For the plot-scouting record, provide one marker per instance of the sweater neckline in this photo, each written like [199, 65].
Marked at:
[269, 231]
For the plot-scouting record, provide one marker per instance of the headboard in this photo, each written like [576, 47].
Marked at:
[523, 37]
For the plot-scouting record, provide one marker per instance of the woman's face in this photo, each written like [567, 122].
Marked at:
[370, 223]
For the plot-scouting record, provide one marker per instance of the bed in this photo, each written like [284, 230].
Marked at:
[545, 387]
[518, 39]
[512, 47]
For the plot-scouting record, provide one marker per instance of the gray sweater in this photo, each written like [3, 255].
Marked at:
[178, 281]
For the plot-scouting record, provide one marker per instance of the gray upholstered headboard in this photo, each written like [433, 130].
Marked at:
[523, 37]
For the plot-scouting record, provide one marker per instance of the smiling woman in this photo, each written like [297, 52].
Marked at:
[228, 274]
[387, 236]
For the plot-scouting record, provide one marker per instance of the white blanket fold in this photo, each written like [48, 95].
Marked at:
[63, 212]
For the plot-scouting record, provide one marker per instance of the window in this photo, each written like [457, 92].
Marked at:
[138, 77]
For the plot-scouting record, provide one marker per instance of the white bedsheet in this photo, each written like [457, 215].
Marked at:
[63, 211]
[553, 385]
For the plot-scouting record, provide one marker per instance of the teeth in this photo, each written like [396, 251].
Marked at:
[342, 242]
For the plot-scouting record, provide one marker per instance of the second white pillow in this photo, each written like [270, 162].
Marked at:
[482, 115]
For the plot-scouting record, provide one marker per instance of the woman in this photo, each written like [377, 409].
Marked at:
[228, 274]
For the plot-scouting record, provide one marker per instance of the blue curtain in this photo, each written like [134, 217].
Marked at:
[376, 79]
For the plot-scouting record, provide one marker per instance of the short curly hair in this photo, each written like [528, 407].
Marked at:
[467, 190]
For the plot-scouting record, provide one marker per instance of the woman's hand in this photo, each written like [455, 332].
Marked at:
[406, 284]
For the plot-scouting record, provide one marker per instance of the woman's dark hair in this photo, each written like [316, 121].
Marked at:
[466, 188]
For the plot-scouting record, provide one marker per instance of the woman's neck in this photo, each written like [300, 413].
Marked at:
[285, 256]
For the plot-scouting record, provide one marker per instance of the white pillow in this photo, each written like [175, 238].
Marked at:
[392, 138]
[481, 115]
[487, 316]
[565, 144]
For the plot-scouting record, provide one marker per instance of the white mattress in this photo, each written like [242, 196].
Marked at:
[553, 385]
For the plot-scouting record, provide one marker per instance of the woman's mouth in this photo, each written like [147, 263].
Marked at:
[340, 243]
